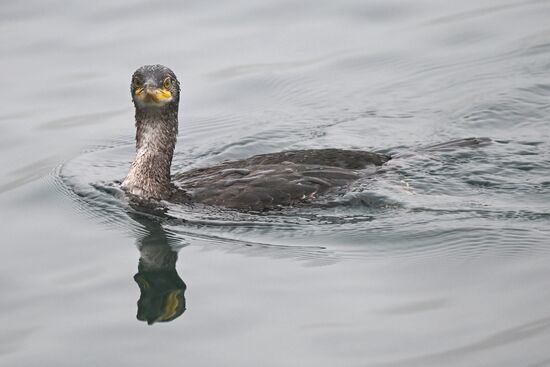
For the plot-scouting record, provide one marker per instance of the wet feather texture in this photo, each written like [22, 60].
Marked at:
[263, 182]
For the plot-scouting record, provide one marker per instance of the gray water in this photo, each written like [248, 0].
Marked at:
[441, 259]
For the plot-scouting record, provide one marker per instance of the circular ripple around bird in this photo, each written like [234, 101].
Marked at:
[426, 204]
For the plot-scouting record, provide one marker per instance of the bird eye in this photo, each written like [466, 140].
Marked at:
[137, 83]
[167, 83]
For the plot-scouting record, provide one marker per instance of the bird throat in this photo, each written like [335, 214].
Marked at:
[149, 175]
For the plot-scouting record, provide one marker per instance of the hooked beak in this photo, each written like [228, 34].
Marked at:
[150, 95]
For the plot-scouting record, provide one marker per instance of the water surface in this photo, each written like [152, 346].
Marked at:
[441, 259]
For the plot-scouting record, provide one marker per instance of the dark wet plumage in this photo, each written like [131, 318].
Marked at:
[261, 182]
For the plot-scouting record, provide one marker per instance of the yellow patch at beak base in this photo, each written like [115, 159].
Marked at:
[171, 307]
[156, 95]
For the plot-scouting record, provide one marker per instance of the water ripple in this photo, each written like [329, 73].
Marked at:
[414, 209]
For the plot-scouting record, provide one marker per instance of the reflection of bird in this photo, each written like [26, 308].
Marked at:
[260, 182]
[162, 291]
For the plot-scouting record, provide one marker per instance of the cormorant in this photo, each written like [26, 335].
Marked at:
[257, 183]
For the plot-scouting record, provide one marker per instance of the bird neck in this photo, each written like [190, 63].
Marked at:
[157, 257]
[149, 175]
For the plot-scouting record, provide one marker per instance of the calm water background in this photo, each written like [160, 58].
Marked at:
[441, 260]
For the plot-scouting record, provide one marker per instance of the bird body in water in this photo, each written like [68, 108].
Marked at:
[258, 183]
